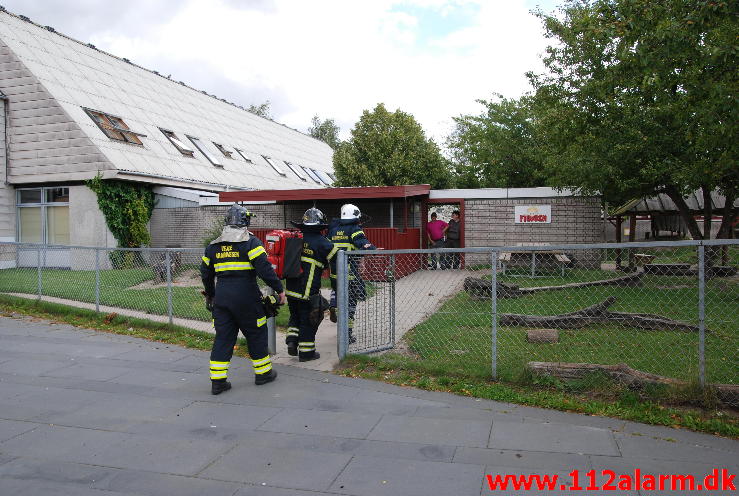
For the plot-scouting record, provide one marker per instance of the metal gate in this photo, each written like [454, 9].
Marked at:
[366, 303]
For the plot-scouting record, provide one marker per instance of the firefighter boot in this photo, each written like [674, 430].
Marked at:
[261, 379]
[308, 356]
[292, 341]
[218, 386]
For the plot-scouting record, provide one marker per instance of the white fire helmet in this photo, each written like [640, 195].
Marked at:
[349, 211]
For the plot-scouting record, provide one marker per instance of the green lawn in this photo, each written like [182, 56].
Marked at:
[115, 290]
[457, 338]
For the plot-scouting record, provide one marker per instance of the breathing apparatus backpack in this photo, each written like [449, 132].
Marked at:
[284, 248]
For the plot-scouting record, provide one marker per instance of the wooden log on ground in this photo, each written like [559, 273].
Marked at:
[542, 336]
[726, 393]
[596, 314]
[481, 288]
[627, 280]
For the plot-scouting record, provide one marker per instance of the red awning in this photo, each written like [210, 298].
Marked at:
[363, 192]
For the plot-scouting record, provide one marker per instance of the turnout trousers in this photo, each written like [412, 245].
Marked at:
[300, 320]
[237, 307]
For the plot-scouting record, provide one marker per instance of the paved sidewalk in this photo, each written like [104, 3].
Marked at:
[325, 337]
[86, 413]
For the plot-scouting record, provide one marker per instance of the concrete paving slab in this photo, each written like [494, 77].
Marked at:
[62, 443]
[322, 423]
[158, 484]
[55, 472]
[12, 428]
[560, 438]
[207, 414]
[371, 476]
[32, 367]
[474, 433]
[275, 491]
[517, 459]
[177, 456]
[148, 432]
[662, 449]
[286, 468]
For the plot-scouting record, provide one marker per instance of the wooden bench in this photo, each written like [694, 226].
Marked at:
[505, 257]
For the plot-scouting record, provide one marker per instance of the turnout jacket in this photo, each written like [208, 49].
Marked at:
[347, 235]
[317, 253]
[241, 261]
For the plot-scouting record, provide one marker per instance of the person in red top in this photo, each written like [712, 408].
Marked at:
[435, 234]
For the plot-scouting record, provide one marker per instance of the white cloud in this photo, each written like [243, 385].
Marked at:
[339, 57]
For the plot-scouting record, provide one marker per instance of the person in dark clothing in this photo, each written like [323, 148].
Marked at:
[347, 234]
[236, 258]
[304, 293]
[452, 232]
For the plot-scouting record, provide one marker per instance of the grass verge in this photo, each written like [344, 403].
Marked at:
[627, 406]
[114, 323]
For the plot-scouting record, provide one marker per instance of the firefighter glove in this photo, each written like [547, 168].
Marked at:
[271, 305]
[208, 301]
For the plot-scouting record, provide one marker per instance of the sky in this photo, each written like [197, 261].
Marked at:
[331, 58]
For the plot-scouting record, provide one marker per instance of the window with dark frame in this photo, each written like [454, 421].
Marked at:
[223, 150]
[274, 165]
[199, 145]
[114, 127]
[178, 143]
[296, 170]
[244, 155]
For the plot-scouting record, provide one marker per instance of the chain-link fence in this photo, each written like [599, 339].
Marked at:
[660, 318]
[152, 281]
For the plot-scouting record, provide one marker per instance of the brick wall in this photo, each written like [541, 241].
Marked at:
[490, 222]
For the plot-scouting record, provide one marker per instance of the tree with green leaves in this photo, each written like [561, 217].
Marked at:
[326, 131]
[389, 149]
[498, 147]
[262, 110]
[640, 97]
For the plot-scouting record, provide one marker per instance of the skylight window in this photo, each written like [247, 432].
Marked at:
[274, 165]
[244, 155]
[178, 143]
[223, 150]
[312, 175]
[114, 127]
[200, 146]
[323, 177]
[297, 170]
[332, 176]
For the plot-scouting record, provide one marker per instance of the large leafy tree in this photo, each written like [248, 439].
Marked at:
[325, 130]
[498, 147]
[641, 97]
[388, 149]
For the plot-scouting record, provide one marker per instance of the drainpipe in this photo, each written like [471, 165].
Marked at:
[5, 137]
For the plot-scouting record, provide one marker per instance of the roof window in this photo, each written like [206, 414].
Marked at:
[200, 146]
[223, 150]
[114, 127]
[274, 165]
[296, 170]
[312, 175]
[323, 177]
[178, 143]
[244, 155]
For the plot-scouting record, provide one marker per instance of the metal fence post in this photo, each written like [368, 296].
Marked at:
[494, 305]
[38, 272]
[167, 258]
[392, 300]
[702, 315]
[342, 302]
[97, 280]
[271, 330]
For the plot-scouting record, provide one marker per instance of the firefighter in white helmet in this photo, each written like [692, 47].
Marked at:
[346, 234]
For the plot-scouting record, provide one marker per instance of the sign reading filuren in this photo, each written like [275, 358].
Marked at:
[533, 214]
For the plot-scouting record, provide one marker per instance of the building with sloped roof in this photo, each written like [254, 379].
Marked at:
[71, 111]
